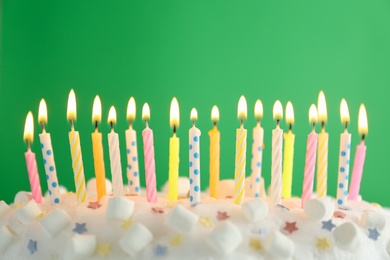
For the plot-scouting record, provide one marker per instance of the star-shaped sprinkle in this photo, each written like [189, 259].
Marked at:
[32, 246]
[205, 221]
[94, 205]
[41, 216]
[328, 225]
[323, 243]
[177, 240]
[103, 249]
[131, 194]
[160, 250]
[229, 197]
[282, 207]
[127, 223]
[222, 215]
[290, 227]
[157, 210]
[373, 234]
[80, 228]
[339, 214]
[255, 244]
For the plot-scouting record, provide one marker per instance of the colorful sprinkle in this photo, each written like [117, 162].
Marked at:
[80, 228]
[290, 227]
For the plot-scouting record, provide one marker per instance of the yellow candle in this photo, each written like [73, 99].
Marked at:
[174, 144]
[289, 139]
[215, 137]
[322, 160]
[97, 147]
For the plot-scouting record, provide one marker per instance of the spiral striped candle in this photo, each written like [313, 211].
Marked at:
[257, 160]
[276, 178]
[357, 171]
[311, 149]
[150, 167]
[239, 176]
[132, 161]
[77, 165]
[33, 176]
[115, 163]
[322, 164]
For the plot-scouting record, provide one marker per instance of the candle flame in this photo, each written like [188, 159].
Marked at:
[145, 112]
[344, 112]
[322, 111]
[290, 113]
[242, 108]
[313, 115]
[194, 115]
[258, 109]
[362, 123]
[215, 114]
[174, 113]
[278, 110]
[42, 114]
[71, 109]
[112, 115]
[131, 109]
[97, 110]
[28, 134]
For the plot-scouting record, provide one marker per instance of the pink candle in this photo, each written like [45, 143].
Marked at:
[360, 156]
[31, 162]
[311, 149]
[150, 167]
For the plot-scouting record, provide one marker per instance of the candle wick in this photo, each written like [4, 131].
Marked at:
[43, 127]
[215, 123]
[130, 123]
[363, 137]
[146, 122]
[277, 122]
[71, 124]
[314, 126]
[242, 122]
[174, 129]
[28, 144]
[112, 125]
[193, 123]
[290, 128]
[323, 124]
[96, 125]
[346, 126]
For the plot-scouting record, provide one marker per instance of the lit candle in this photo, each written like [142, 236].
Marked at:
[360, 155]
[311, 152]
[48, 156]
[257, 151]
[75, 150]
[345, 147]
[31, 162]
[97, 147]
[174, 144]
[289, 139]
[277, 146]
[150, 167]
[115, 156]
[322, 159]
[215, 138]
[239, 176]
[194, 147]
[132, 153]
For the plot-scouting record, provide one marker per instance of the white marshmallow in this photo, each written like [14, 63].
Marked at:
[183, 185]
[55, 222]
[91, 187]
[181, 219]
[225, 238]
[136, 239]
[279, 246]
[4, 208]
[255, 210]
[373, 219]
[6, 238]
[28, 212]
[22, 197]
[388, 247]
[80, 247]
[319, 208]
[346, 236]
[119, 208]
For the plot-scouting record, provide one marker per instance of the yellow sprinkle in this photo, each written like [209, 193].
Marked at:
[103, 249]
[206, 221]
[126, 224]
[41, 216]
[255, 244]
[177, 240]
[17, 205]
[323, 243]
[376, 205]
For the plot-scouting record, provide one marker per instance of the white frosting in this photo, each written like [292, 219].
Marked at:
[283, 231]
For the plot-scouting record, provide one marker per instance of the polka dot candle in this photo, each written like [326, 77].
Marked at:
[132, 151]
[257, 152]
[194, 156]
[48, 156]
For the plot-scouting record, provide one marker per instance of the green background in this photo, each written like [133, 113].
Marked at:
[205, 53]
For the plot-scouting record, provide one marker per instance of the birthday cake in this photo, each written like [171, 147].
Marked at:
[121, 227]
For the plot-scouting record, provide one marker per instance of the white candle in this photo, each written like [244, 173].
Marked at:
[194, 155]
[277, 146]
[257, 152]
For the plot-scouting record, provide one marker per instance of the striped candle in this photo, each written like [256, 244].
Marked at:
[277, 146]
[239, 175]
[194, 155]
[257, 152]
[115, 156]
[322, 159]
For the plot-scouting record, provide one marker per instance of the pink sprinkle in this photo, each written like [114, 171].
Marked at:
[157, 210]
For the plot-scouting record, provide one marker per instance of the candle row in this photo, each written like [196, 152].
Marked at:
[281, 177]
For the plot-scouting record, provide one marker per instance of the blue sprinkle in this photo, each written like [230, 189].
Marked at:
[196, 188]
[47, 176]
[342, 169]
[257, 195]
[191, 198]
[135, 158]
[196, 171]
[135, 174]
[51, 168]
[48, 152]
[133, 143]
[258, 179]
[128, 151]
[346, 193]
[49, 192]
[340, 202]
[191, 181]
[190, 164]
[259, 164]
[131, 182]
[136, 189]
[190, 146]
[260, 148]
[343, 153]
[129, 167]
[341, 185]
[42, 146]
[44, 161]
[196, 155]
[54, 184]
[196, 138]
[56, 200]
